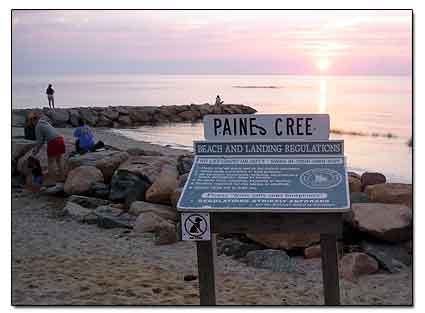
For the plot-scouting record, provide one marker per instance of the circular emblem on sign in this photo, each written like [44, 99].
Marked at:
[320, 178]
[195, 225]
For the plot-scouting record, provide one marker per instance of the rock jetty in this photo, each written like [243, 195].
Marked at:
[129, 116]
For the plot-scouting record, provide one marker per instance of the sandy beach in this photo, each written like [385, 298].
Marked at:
[57, 260]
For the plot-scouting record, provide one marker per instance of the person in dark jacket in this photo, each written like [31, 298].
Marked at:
[50, 98]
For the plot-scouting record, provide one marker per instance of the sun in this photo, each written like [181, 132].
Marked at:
[323, 64]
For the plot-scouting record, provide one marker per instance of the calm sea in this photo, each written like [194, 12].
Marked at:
[377, 108]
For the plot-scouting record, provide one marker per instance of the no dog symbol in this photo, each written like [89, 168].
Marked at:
[196, 226]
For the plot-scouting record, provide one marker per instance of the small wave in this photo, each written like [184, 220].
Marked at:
[259, 87]
[358, 133]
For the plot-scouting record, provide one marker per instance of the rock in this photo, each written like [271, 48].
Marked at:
[184, 163]
[148, 167]
[18, 120]
[126, 184]
[106, 160]
[393, 258]
[235, 248]
[103, 121]
[371, 178]
[74, 116]
[110, 163]
[136, 193]
[99, 190]
[359, 197]
[312, 252]
[147, 222]
[189, 115]
[80, 179]
[110, 217]
[20, 147]
[175, 197]
[285, 241]
[58, 117]
[165, 234]
[164, 211]
[354, 175]
[141, 152]
[274, 260]
[89, 116]
[111, 114]
[391, 193]
[125, 120]
[88, 202]
[164, 185]
[354, 184]
[140, 115]
[356, 264]
[122, 110]
[388, 222]
[182, 180]
[77, 211]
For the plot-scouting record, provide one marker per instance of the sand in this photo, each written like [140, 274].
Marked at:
[56, 260]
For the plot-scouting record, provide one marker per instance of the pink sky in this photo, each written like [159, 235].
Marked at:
[212, 42]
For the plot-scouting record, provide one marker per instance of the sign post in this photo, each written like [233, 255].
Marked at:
[265, 174]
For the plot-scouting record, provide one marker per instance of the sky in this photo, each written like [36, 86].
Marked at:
[212, 42]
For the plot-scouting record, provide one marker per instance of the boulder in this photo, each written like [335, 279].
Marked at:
[108, 164]
[182, 180]
[122, 110]
[165, 233]
[354, 184]
[147, 222]
[77, 211]
[80, 179]
[106, 161]
[356, 264]
[124, 184]
[89, 116]
[20, 147]
[354, 175]
[391, 193]
[58, 117]
[371, 178]
[175, 197]
[164, 211]
[141, 152]
[99, 190]
[74, 116]
[103, 121]
[189, 115]
[125, 120]
[393, 258]
[140, 115]
[359, 197]
[88, 202]
[148, 167]
[285, 241]
[388, 222]
[274, 260]
[312, 252]
[184, 163]
[136, 193]
[235, 248]
[163, 186]
[18, 119]
[111, 217]
[110, 114]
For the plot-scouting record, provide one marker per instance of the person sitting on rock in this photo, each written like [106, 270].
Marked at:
[85, 138]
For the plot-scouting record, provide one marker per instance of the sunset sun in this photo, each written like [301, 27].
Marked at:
[323, 65]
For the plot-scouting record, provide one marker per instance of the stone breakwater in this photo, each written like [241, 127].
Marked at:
[128, 116]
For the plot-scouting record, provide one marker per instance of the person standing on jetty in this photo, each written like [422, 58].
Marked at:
[50, 91]
[45, 132]
[218, 100]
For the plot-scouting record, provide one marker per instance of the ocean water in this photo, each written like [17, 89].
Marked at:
[376, 110]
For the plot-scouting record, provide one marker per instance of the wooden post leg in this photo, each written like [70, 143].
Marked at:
[330, 268]
[206, 251]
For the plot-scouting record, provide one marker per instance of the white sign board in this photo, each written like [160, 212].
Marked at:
[266, 127]
[195, 226]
